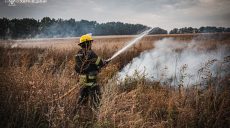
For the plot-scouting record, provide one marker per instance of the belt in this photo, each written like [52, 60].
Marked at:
[87, 80]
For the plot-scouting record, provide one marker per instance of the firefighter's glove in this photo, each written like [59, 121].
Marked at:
[106, 62]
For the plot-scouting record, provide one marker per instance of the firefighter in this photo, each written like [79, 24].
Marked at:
[88, 64]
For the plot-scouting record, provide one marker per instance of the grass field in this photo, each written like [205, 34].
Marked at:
[33, 73]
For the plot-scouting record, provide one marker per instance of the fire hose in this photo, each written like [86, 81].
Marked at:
[108, 60]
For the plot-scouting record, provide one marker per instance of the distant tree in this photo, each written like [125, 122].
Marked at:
[208, 29]
[226, 29]
[4, 28]
[46, 21]
[174, 31]
[23, 28]
[212, 29]
[118, 28]
[158, 30]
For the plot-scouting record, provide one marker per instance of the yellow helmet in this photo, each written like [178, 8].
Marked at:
[86, 37]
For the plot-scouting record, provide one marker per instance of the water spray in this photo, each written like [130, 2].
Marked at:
[130, 44]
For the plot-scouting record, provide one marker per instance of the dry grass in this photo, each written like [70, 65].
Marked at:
[30, 78]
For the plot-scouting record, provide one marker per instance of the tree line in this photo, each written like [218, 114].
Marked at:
[207, 29]
[49, 28]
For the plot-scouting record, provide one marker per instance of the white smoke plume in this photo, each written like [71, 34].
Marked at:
[175, 63]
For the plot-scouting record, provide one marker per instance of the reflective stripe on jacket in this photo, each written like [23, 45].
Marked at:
[87, 80]
[88, 65]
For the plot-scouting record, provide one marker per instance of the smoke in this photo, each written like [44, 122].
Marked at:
[175, 63]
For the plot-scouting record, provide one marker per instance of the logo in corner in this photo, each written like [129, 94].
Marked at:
[14, 2]
[11, 2]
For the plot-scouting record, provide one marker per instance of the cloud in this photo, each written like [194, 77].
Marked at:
[163, 13]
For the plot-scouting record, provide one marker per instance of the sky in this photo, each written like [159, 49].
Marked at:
[167, 14]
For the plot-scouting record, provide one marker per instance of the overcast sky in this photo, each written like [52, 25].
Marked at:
[166, 14]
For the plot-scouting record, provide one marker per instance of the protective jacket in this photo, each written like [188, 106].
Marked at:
[87, 65]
